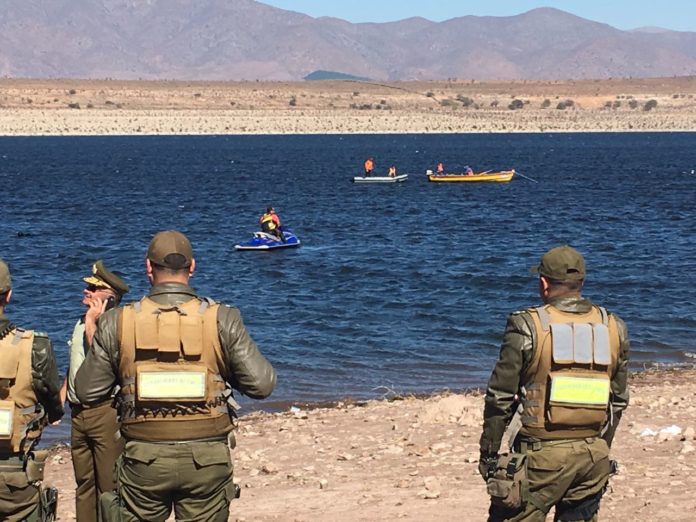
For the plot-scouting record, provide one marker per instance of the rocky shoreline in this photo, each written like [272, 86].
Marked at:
[90, 107]
[416, 459]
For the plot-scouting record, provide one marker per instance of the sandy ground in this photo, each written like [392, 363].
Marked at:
[89, 107]
[416, 459]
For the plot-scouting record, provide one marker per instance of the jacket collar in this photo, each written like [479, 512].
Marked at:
[574, 304]
[171, 293]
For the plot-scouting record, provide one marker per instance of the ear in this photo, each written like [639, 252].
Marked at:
[192, 268]
[543, 287]
[8, 296]
[148, 270]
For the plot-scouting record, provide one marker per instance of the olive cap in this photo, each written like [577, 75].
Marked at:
[5, 279]
[170, 249]
[562, 263]
[102, 278]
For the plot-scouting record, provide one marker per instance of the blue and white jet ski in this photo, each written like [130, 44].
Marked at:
[264, 241]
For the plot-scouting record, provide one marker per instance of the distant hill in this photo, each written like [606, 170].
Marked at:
[333, 75]
[249, 40]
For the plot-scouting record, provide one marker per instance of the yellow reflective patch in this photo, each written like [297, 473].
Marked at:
[6, 421]
[188, 385]
[579, 390]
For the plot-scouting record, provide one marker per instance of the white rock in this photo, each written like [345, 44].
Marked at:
[323, 484]
[647, 432]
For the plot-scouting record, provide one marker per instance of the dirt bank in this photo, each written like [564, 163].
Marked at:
[416, 459]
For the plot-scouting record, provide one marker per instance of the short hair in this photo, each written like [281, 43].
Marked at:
[3, 297]
[568, 285]
[169, 271]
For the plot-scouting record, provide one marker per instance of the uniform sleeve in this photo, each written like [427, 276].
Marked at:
[45, 378]
[504, 383]
[619, 383]
[248, 371]
[96, 377]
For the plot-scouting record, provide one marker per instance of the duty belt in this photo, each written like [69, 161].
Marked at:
[11, 464]
[529, 445]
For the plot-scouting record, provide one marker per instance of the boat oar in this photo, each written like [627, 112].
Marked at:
[526, 177]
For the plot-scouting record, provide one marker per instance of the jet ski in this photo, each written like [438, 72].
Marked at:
[265, 241]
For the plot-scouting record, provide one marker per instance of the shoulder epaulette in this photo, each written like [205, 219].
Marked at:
[41, 334]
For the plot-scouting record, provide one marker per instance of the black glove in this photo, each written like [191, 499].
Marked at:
[487, 465]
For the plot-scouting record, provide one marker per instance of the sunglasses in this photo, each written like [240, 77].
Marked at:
[94, 288]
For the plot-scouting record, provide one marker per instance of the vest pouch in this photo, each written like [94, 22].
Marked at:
[508, 485]
[192, 335]
[35, 466]
[578, 399]
[7, 414]
[168, 335]
[167, 382]
[146, 337]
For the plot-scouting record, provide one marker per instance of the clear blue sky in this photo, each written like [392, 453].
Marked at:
[679, 15]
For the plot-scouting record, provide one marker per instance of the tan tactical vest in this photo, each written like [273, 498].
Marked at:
[170, 361]
[568, 383]
[21, 416]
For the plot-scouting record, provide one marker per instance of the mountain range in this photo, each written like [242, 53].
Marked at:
[249, 40]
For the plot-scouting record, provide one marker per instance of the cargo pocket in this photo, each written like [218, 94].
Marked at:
[544, 473]
[211, 454]
[136, 452]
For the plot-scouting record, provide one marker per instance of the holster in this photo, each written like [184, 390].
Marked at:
[49, 504]
[508, 486]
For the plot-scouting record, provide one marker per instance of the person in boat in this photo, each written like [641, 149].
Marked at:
[468, 171]
[270, 224]
[392, 171]
[369, 166]
[440, 169]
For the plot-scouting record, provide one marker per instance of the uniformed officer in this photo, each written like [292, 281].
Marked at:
[563, 367]
[29, 399]
[176, 358]
[96, 440]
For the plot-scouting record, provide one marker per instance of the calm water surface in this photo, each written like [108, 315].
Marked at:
[396, 287]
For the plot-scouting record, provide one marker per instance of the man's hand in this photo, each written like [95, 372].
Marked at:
[487, 465]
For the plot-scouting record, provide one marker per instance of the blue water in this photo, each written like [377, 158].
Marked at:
[397, 288]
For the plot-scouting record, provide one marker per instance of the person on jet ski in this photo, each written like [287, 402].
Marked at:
[270, 224]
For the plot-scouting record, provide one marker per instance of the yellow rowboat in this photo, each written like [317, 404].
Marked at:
[502, 176]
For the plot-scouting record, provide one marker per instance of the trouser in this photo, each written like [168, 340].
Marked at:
[193, 478]
[20, 490]
[96, 443]
[569, 474]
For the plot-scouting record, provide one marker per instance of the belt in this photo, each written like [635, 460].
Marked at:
[528, 445]
[76, 407]
[11, 463]
[176, 442]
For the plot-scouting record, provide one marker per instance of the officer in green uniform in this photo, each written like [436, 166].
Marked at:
[29, 399]
[96, 439]
[562, 375]
[176, 358]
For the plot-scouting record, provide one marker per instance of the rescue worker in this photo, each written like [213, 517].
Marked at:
[96, 440]
[562, 372]
[392, 171]
[176, 357]
[369, 166]
[270, 224]
[29, 400]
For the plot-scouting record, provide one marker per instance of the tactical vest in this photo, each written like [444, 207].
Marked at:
[21, 416]
[170, 361]
[568, 383]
